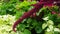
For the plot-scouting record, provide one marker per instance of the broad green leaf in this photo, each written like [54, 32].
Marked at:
[44, 25]
[26, 31]
[29, 20]
[50, 22]
[56, 29]
[38, 29]
[21, 27]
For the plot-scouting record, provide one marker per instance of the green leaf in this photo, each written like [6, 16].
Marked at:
[21, 27]
[34, 23]
[48, 32]
[56, 32]
[29, 20]
[58, 26]
[56, 8]
[26, 31]
[50, 22]
[38, 29]
[46, 18]
[53, 17]
[44, 25]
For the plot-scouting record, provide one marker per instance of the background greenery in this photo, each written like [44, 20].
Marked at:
[12, 10]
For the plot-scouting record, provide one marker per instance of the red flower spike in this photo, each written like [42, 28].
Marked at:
[28, 14]
[34, 10]
[33, 15]
[50, 3]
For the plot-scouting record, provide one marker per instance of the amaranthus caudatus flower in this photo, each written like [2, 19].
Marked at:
[36, 8]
